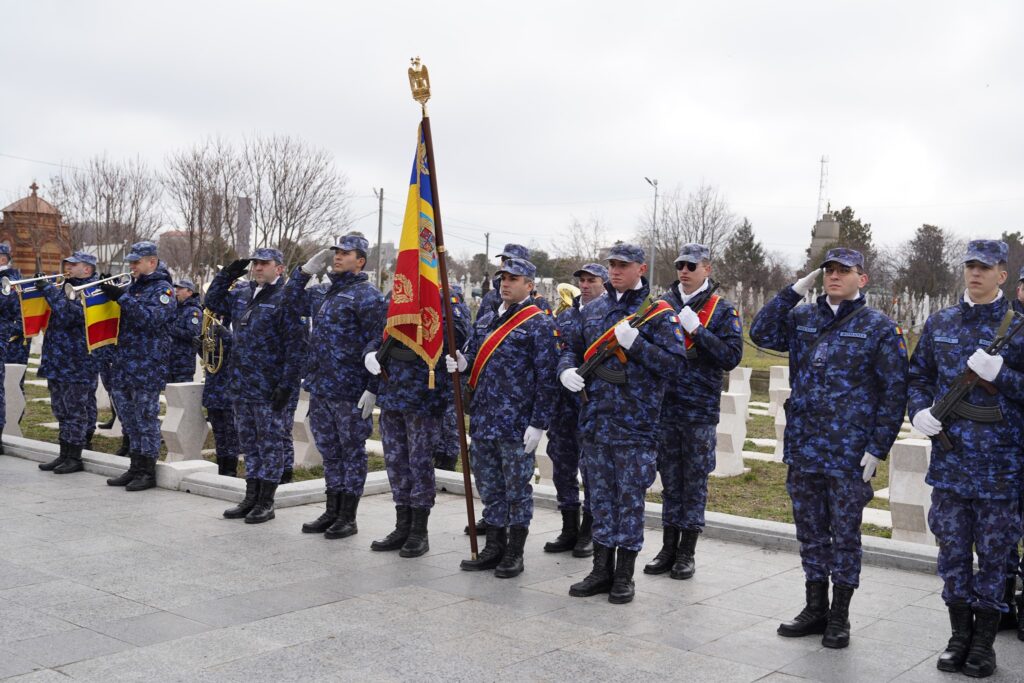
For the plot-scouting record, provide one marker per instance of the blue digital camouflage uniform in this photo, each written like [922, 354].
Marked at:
[619, 422]
[344, 315]
[975, 486]
[515, 390]
[67, 365]
[183, 330]
[447, 450]
[846, 400]
[267, 352]
[10, 319]
[689, 415]
[411, 413]
[217, 400]
[17, 347]
[139, 369]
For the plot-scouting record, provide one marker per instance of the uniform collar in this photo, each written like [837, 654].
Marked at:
[683, 296]
[845, 308]
[631, 296]
[346, 277]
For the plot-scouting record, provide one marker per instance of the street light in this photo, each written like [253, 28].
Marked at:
[654, 225]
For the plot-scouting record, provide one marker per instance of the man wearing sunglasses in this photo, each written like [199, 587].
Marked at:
[689, 414]
[848, 373]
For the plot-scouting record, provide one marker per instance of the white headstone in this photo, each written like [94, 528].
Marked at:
[306, 453]
[731, 432]
[184, 428]
[15, 398]
[739, 383]
[910, 497]
[778, 378]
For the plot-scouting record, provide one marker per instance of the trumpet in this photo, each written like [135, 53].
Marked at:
[7, 285]
[122, 280]
[211, 344]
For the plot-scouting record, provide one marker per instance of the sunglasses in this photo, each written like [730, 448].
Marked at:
[686, 265]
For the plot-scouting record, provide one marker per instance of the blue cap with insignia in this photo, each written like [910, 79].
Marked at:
[627, 253]
[518, 266]
[267, 254]
[847, 257]
[989, 252]
[354, 241]
[185, 284]
[515, 251]
[595, 269]
[140, 250]
[81, 257]
[693, 253]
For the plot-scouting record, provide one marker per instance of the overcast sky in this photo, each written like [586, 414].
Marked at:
[544, 110]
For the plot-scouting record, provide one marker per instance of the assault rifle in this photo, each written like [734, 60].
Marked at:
[611, 345]
[953, 404]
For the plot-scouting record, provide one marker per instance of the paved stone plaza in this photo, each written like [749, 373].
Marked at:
[100, 584]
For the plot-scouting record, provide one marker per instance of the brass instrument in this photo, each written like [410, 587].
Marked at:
[211, 344]
[7, 285]
[122, 280]
[566, 293]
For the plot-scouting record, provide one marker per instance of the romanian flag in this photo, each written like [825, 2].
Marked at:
[35, 311]
[414, 315]
[102, 317]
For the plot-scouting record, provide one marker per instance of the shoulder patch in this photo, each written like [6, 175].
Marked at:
[164, 299]
[678, 332]
[195, 320]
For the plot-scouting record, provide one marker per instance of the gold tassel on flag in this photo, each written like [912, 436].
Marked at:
[430, 382]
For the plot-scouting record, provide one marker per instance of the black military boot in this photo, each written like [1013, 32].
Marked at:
[623, 588]
[481, 527]
[145, 478]
[73, 463]
[286, 475]
[445, 462]
[1020, 615]
[125, 448]
[684, 566]
[252, 492]
[396, 539]
[570, 533]
[263, 511]
[599, 580]
[512, 559]
[1008, 620]
[56, 462]
[837, 628]
[961, 619]
[345, 525]
[585, 541]
[981, 658]
[126, 477]
[666, 557]
[813, 617]
[492, 553]
[417, 543]
[227, 465]
[330, 515]
[88, 439]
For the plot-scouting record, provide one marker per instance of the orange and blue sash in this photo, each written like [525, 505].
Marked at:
[704, 316]
[495, 338]
[661, 308]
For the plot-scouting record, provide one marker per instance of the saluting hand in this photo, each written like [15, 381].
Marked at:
[804, 284]
[318, 262]
[236, 268]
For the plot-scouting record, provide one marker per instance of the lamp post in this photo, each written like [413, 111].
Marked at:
[654, 226]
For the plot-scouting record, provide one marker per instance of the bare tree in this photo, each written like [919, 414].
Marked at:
[583, 242]
[297, 194]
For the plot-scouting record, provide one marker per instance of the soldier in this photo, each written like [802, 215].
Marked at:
[10, 321]
[976, 483]
[139, 369]
[492, 298]
[68, 367]
[689, 415]
[1018, 301]
[848, 372]
[411, 424]
[512, 354]
[618, 422]
[447, 450]
[183, 331]
[266, 358]
[219, 410]
[563, 440]
[17, 347]
[345, 313]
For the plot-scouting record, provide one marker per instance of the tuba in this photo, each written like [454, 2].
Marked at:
[211, 343]
[566, 293]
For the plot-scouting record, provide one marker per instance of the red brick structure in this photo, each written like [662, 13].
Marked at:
[33, 227]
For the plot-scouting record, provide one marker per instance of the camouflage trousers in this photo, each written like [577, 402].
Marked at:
[686, 456]
[963, 526]
[289, 449]
[91, 405]
[446, 446]
[828, 512]
[225, 436]
[409, 444]
[340, 433]
[503, 471]
[70, 403]
[564, 450]
[262, 437]
[618, 476]
[139, 411]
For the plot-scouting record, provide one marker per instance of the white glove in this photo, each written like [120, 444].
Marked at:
[689, 319]
[870, 464]
[531, 439]
[452, 364]
[926, 423]
[371, 363]
[318, 262]
[804, 284]
[626, 334]
[985, 365]
[571, 380]
[367, 401]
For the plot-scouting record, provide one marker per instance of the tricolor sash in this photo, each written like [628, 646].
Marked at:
[704, 316]
[660, 309]
[495, 338]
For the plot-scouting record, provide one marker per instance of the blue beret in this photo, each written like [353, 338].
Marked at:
[628, 253]
[989, 252]
[515, 251]
[267, 254]
[518, 266]
[595, 269]
[139, 250]
[82, 257]
[354, 241]
[847, 257]
[693, 253]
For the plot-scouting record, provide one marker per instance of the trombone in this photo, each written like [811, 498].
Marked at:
[7, 285]
[122, 280]
[211, 343]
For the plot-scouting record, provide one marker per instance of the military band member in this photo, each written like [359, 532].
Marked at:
[848, 373]
[563, 437]
[10, 321]
[66, 364]
[139, 369]
[618, 422]
[976, 483]
[511, 358]
[266, 359]
[689, 415]
[217, 401]
[345, 313]
[183, 331]
[16, 349]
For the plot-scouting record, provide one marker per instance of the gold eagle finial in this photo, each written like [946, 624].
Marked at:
[419, 81]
